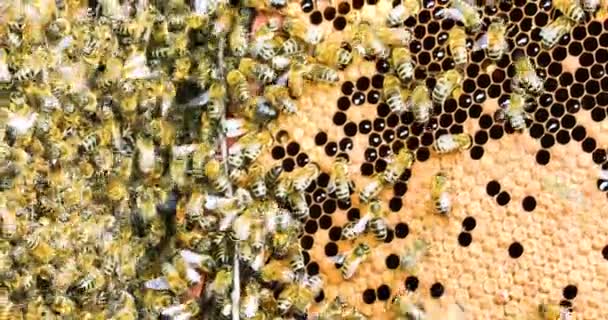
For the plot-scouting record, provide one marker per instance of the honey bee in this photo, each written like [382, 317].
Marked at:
[515, 110]
[321, 73]
[372, 189]
[590, 6]
[400, 162]
[457, 43]
[334, 54]
[354, 229]
[304, 176]
[291, 46]
[238, 85]
[297, 28]
[216, 107]
[221, 284]
[467, 13]
[447, 83]
[554, 312]
[298, 205]
[339, 181]
[257, 181]
[410, 259]
[352, 260]
[402, 11]
[261, 72]
[237, 40]
[407, 310]
[448, 143]
[494, 40]
[63, 305]
[439, 194]
[571, 9]
[279, 96]
[403, 63]
[39, 248]
[421, 104]
[526, 79]
[393, 94]
[377, 223]
[277, 270]
[295, 81]
[555, 30]
[215, 173]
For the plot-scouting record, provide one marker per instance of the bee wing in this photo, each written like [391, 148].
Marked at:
[159, 283]
[452, 14]
[198, 101]
[481, 43]
[235, 127]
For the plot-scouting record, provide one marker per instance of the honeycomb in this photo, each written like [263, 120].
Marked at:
[526, 223]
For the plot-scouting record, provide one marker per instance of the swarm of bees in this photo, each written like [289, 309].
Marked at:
[118, 191]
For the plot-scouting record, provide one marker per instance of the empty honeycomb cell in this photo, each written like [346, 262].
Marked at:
[329, 13]
[460, 116]
[423, 154]
[278, 152]
[350, 129]
[379, 124]
[307, 242]
[562, 137]
[589, 145]
[369, 296]
[579, 133]
[367, 169]
[392, 120]
[312, 269]
[311, 226]
[588, 102]
[343, 103]
[481, 137]
[383, 292]
[437, 290]
[522, 39]
[395, 204]
[570, 292]
[516, 250]
[599, 156]
[392, 261]
[555, 69]
[329, 206]
[434, 67]
[370, 154]
[493, 188]
[469, 223]
[288, 164]
[426, 139]
[503, 198]
[506, 86]
[321, 138]
[465, 239]
[335, 233]
[485, 121]
[412, 143]
[293, 148]
[383, 110]
[532, 50]
[496, 132]
[316, 17]
[543, 157]
[598, 114]
[541, 115]
[325, 222]
[428, 43]
[586, 59]
[597, 72]
[602, 185]
[590, 44]
[344, 7]
[320, 296]
[566, 79]
[380, 165]
[476, 152]
[315, 211]
[388, 135]
[339, 23]
[347, 88]
[601, 56]
[323, 180]
[382, 66]
[412, 282]
[397, 146]
[469, 86]
[339, 118]
[602, 98]
[594, 28]
[547, 141]
[575, 48]
[456, 128]
[424, 58]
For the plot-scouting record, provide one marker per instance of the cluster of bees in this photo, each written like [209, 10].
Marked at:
[114, 201]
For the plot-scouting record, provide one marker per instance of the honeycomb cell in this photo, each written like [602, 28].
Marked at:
[307, 6]
[496, 132]
[397, 146]
[562, 137]
[541, 115]
[383, 292]
[369, 296]
[476, 152]
[516, 15]
[288, 164]
[331, 149]
[379, 125]
[586, 59]
[374, 139]
[312, 269]
[543, 157]
[547, 141]
[503, 198]
[358, 98]
[579, 133]
[469, 223]
[311, 227]
[566, 79]
[392, 120]
[552, 125]
[412, 282]
[339, 23]
[465, 239]
[339, 118]
[599, 156]
[329, 13]
[605, 252]
[343, 103]
[315, 211]
[575, 48]
[316, 17]
[373, 96]
[532, 50]
[598, 114]
[307, 242]
[335, 233]
[594, 28]
[588, 102]
[320, 296]
[437, 290]
[412, 143]
[384, 151]
[392, 261]
[344, 7]
[380, 165]
[395, 204]
[516, 250]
